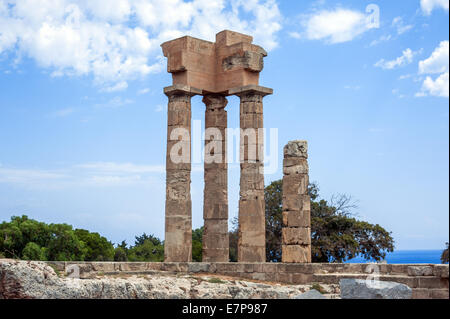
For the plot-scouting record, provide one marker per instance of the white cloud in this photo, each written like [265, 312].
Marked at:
[143, 91]
[406, 58]
[383, 38]
[120, 86]
[437, 63]
[429, 5]
[116, 41]
[400, 25]
[438, 87]
[335, 26]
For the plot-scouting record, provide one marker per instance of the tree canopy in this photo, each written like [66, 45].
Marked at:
[336, 235]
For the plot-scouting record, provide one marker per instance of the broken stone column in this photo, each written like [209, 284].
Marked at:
[178, 219]
[252, 230]
[215, 205]
[296, 232]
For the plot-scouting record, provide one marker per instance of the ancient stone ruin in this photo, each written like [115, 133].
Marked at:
[296, 233]
[230, 66]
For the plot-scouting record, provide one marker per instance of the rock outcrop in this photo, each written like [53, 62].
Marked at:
[367, 289]
[33, 279]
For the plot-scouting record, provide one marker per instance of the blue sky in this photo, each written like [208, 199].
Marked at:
[83, 117]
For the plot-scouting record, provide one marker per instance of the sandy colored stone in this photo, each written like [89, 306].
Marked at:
[296, 235]
[297, 218]
[296, 253]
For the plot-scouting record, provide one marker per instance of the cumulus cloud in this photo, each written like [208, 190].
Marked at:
[116, 41]
[429, 5]
[437, 63]
[336, 26]
[406, 58]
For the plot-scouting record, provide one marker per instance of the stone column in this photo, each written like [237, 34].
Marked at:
[296, 233]
[215, 206]
[178, 224]
[252, 228]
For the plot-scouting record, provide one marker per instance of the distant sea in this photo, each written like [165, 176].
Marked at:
[408, 257]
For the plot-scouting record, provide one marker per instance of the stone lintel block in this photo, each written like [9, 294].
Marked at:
[251, 253]
[297, 218]
[181, 89]
[296, 149]
[254, 89]
[296, 253]
[296, 235]
[295, 185]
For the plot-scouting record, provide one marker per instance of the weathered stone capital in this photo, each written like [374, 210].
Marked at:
[215, 101]
[250, 93]
[296, 149]
[179, 92]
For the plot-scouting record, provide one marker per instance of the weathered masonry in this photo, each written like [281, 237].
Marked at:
[230, 66]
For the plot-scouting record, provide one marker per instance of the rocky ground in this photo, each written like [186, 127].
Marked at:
[32, 279]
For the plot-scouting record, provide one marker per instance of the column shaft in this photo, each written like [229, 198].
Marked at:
[178, 218]
[215, 205]
[252, 236]
[296, 232]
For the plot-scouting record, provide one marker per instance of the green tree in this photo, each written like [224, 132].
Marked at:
[65, 245]
[197, 236]
[233, 239]
[33, 251]
[120, 254]
[146, 251]
[98, 248]
[336, 235]
[444, 255]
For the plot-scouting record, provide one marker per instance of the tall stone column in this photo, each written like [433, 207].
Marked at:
[252, 228]
[178, 218]
[215, 206]
[296, 232]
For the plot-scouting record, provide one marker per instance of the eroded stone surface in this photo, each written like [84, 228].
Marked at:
[368, 289]
[296, 232]
[36, 280]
